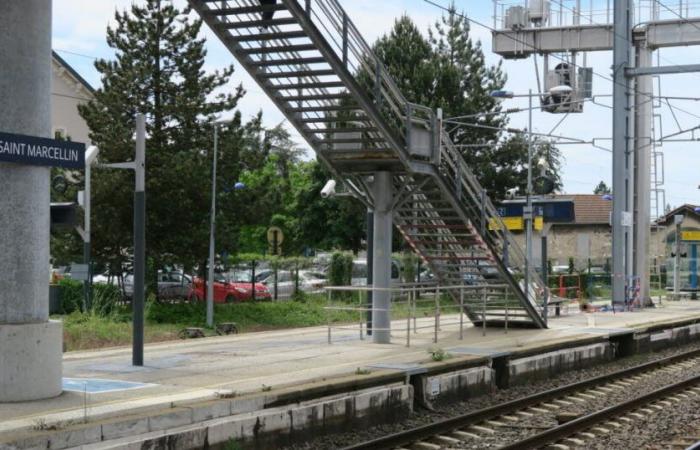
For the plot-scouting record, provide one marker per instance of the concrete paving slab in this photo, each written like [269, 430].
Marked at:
[182, 372]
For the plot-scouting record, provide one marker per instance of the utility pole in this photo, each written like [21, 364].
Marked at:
[677, 221]
[620, 216]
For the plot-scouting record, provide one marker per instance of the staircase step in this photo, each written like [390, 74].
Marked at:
[278, 49]
[268, 36]
[244, 9]
[318, 85]
[258, 23]
[296, 74]
[335, 108]
[312, 97]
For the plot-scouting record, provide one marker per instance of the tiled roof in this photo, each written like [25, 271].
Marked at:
[590, 209]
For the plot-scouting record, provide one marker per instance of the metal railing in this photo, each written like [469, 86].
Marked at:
[421, 306]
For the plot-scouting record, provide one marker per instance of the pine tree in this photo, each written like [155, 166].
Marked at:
[158, 71]
[448, 70]
[602, 188]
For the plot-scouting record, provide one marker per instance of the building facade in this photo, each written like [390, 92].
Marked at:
[68, 90]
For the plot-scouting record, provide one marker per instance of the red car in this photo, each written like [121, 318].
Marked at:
[229, 291]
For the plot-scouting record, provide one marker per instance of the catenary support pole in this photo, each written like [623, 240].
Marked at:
[621, 60]
[30, 344]
[370, 265]
[642, 174]
[139, 240]
[382, 188]
[212, 233]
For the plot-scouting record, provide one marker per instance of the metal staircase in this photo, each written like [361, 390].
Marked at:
[313, 63]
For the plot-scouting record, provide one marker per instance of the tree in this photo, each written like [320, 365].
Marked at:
[448, 70]
[602, 188]
[158, 71]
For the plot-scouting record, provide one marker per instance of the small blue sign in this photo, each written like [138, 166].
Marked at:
[38, 151]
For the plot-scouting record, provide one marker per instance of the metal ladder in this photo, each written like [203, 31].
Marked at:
[310, 59]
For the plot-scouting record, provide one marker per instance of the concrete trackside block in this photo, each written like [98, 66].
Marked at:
[279, 426]
[175, 418]
[193, 438]
[536, 367]
[458, 385]
[75, 437]
[123, 428]
[210, 411]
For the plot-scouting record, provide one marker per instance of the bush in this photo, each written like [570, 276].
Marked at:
[71, 294]
[340, 270]
[409, 264]
[104, 297]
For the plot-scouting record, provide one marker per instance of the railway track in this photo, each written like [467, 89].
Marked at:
[541, 420]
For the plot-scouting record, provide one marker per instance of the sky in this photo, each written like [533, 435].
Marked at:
[79, 30]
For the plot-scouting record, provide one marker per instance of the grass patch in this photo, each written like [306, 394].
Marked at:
[84, 331]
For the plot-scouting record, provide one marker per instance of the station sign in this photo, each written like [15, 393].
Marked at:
[38, 151]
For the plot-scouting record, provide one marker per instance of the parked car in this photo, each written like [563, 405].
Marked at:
[172, 285]
[359, 272]
[309, 282]
[229, 290]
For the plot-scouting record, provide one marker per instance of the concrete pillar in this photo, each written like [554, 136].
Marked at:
[642, 176]
[382, 188]
[30, 345]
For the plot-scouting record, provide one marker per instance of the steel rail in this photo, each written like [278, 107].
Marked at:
[445, 426]
[585, 422]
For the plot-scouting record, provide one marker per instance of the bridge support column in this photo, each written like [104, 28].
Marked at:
[382, 189]
[30, 344]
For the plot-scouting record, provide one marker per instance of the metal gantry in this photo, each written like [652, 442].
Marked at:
[633, 30]
[309, 58]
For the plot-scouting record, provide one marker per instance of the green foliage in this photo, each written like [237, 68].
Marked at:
[71, 294]
[104, 297]
[409, 265]
[602, 188]
[448, 70]
[340, 269]
[572, 266]
[439, 354]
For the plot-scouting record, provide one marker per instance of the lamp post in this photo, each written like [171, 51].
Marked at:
[527, 212]
[212, 228]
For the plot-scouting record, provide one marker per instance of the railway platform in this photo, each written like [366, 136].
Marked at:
[186, 383]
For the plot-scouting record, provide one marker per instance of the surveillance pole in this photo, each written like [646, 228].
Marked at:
[138, 165]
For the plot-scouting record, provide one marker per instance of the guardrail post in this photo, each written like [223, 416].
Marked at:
[437, 295]
[328, 318]
[360, 309]
[483, 314]
[415, 301]
[408, 320]
[506, 305]
[461, 314]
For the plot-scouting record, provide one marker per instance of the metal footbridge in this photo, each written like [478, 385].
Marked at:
[312, 62]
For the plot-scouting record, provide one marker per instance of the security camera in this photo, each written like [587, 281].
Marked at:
[511, 193]
[329, 189]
